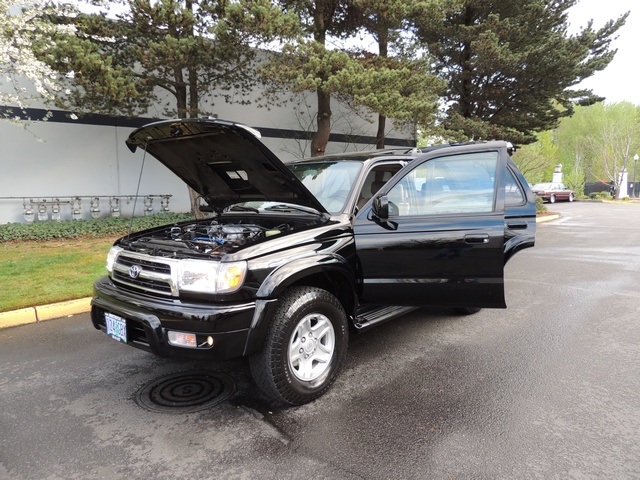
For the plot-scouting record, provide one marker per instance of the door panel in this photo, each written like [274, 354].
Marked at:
[443, 243]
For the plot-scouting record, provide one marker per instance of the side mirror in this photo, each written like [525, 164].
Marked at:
[381, 207]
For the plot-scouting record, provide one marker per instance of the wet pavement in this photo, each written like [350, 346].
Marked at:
[545, 389]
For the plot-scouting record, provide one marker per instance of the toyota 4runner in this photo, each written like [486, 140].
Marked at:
[293, 258]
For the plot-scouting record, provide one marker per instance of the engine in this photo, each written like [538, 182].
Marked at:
[208, 238]
[216, 235]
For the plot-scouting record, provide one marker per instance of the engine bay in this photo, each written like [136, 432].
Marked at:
[203, 238]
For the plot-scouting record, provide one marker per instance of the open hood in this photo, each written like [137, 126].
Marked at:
[224, 162]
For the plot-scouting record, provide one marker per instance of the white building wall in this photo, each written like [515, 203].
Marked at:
[57, 160]
[63, 158]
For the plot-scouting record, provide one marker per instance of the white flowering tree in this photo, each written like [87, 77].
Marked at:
[23, 78]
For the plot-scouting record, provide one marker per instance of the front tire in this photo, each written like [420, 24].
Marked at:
[305, 347]
[552, 199]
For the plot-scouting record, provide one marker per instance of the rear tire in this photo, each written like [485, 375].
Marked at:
[571, 197]
[305, 347]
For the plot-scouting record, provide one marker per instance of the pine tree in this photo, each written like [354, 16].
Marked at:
[511, 65]
[396, 82]
[184, 48]
[393, 82]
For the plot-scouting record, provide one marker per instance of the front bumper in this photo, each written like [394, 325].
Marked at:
[148, 319]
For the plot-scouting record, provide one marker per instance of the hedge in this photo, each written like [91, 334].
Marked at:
[101, 227]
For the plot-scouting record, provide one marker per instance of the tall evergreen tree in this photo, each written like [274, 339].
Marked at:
[306, 64]
[398, 81]
[511, 65]
[399, 85]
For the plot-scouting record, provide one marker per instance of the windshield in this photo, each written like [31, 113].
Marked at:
[542, 186]
[330, 182]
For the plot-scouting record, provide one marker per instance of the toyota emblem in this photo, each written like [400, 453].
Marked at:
[134, 271]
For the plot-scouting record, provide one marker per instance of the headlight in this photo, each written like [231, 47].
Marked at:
[111, 257]
[231, 276]
[210, 277]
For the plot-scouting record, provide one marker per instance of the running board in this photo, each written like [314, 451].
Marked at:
[371, 317]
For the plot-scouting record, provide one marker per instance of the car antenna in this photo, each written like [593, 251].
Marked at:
[135, 198]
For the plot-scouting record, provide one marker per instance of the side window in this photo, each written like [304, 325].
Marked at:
[375, 180]
[512, 192]
[454, 184]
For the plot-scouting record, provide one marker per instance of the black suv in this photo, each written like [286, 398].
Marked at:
[293, 257]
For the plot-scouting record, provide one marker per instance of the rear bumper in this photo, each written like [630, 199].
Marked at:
[148, 319]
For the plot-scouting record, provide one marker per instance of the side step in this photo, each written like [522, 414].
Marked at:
[370, 317]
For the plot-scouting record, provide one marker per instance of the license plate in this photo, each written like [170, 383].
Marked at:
[116, 327]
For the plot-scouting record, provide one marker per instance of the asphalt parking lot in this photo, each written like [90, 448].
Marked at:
[545, 389]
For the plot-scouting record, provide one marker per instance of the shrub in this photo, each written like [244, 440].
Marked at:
[540, 206]
[101, 227]
[604, 195]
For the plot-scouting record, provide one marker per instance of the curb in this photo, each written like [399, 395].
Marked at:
[42, 313]
[547, 218]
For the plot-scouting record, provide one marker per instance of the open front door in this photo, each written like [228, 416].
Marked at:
[442, 242]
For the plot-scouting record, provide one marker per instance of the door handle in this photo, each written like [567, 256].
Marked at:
[480, 238]
[517, 225]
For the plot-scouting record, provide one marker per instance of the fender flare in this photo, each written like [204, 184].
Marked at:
[283, 277]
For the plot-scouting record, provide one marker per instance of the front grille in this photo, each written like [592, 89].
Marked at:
[143, 283]
[146, 264]
[139, 272]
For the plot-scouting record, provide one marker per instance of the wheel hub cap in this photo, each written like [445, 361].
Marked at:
[311, 347]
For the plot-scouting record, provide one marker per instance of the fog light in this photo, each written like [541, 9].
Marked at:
[181, 339]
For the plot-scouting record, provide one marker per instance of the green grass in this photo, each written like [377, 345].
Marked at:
[38, 273]
[49, 262]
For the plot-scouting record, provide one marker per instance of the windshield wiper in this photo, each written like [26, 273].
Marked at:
[242, 208]
[285, 207]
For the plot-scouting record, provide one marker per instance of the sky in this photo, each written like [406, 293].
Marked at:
[620, 81]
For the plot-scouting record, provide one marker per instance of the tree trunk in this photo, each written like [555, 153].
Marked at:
[383, 51]
[382, 122]
[321, 137]
[466, 74]
[181, 103]
[194, 108]
[193, 113]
